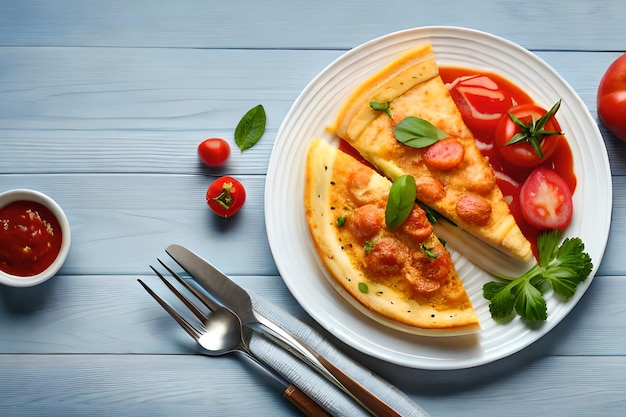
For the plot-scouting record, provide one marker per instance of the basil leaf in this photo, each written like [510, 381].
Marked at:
[400, 201]
[250, 128]
[417, 133]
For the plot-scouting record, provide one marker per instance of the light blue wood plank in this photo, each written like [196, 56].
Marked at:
[146, 110]
[549, 386]
[106, 315]
[149, 89]
[134, 385]
[114, 315]
[573, 25]
[156, 385]
[613, 261]
[120, 223]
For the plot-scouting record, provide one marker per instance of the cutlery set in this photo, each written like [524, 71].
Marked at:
[220, 332]
[227, 320]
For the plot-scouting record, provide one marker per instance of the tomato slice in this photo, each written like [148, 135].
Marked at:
[546, 200]
[225, 196]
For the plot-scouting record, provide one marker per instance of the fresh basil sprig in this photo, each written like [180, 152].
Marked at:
[250, 128]
[417, 133]
[400, 201]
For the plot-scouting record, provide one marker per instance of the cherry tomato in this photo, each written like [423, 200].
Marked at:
[214, 151]
[481, 101]
[522, 153]
[225, 196]
[612, 98]
[546, 200]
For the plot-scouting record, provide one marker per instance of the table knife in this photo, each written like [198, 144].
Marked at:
[234, 297]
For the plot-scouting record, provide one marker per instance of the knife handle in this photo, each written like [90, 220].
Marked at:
[304, 403]
[368, 399]
[345, 382]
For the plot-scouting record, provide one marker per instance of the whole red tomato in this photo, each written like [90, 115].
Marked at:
[214, 151]
[530, 144]
[612, 98]
[225, 196]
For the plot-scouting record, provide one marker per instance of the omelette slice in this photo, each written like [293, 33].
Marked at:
[465, 191]
[404, 274]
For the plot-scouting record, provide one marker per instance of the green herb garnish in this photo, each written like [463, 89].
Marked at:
[533, 132]
[381, 107]
[363, 288]
[561, 268]
[429, 253]
[400, 201]
[341, 221]
[432, 215]
[250, 128]
[368, 247]
[417, 133]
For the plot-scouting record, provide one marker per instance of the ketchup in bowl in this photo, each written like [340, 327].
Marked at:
[30, 238]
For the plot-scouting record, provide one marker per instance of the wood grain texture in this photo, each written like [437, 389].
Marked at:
[191, 385]
[112, 314]
[581, 25]
[102, 105]
[145, 110]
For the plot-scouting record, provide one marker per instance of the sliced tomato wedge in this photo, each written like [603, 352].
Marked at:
[546, 200]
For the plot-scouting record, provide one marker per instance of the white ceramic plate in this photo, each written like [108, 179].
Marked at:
[314, 110]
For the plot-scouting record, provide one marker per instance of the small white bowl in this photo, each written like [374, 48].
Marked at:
[11, 196]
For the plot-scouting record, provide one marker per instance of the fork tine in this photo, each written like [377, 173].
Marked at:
[195, 334]
[186, 301]
[207, 301]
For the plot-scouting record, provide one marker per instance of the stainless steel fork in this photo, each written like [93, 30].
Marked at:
[221, 332]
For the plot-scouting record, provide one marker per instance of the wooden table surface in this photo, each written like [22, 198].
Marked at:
[102, 105]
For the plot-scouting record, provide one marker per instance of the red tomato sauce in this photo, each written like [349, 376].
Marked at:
[30, 238]
[501, 93]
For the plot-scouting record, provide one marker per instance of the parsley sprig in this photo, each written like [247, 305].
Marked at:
[561, 268]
